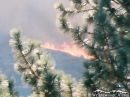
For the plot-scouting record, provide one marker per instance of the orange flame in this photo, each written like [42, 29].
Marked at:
[70, 49]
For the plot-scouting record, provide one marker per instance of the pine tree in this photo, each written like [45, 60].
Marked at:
[37, 69]
[7, 87]
[105, 35]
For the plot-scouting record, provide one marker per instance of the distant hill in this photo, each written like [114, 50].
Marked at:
[66, 62]
[69, 64]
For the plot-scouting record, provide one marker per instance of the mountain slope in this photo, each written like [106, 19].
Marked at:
[69, 64]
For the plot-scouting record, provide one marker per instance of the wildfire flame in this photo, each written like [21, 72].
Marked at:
[71, 49]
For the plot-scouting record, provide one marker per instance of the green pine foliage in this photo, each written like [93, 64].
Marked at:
[105, 34]
[7, 87]
[37, 69]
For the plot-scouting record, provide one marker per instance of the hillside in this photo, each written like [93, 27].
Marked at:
[69, 64]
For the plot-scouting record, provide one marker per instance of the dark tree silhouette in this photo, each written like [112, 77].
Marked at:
[105, 34]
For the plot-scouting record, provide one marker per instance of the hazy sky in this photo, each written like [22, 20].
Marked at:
[37, 18]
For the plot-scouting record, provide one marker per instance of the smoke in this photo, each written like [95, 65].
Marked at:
[37, 19]
[71, 49]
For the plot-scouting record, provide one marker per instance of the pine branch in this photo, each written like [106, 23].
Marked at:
[27, 63]
[115, 1]
[86, 10]
[124, 6]
[71, 92]
[37, 77]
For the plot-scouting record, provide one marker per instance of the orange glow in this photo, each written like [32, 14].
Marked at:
[70, 49]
